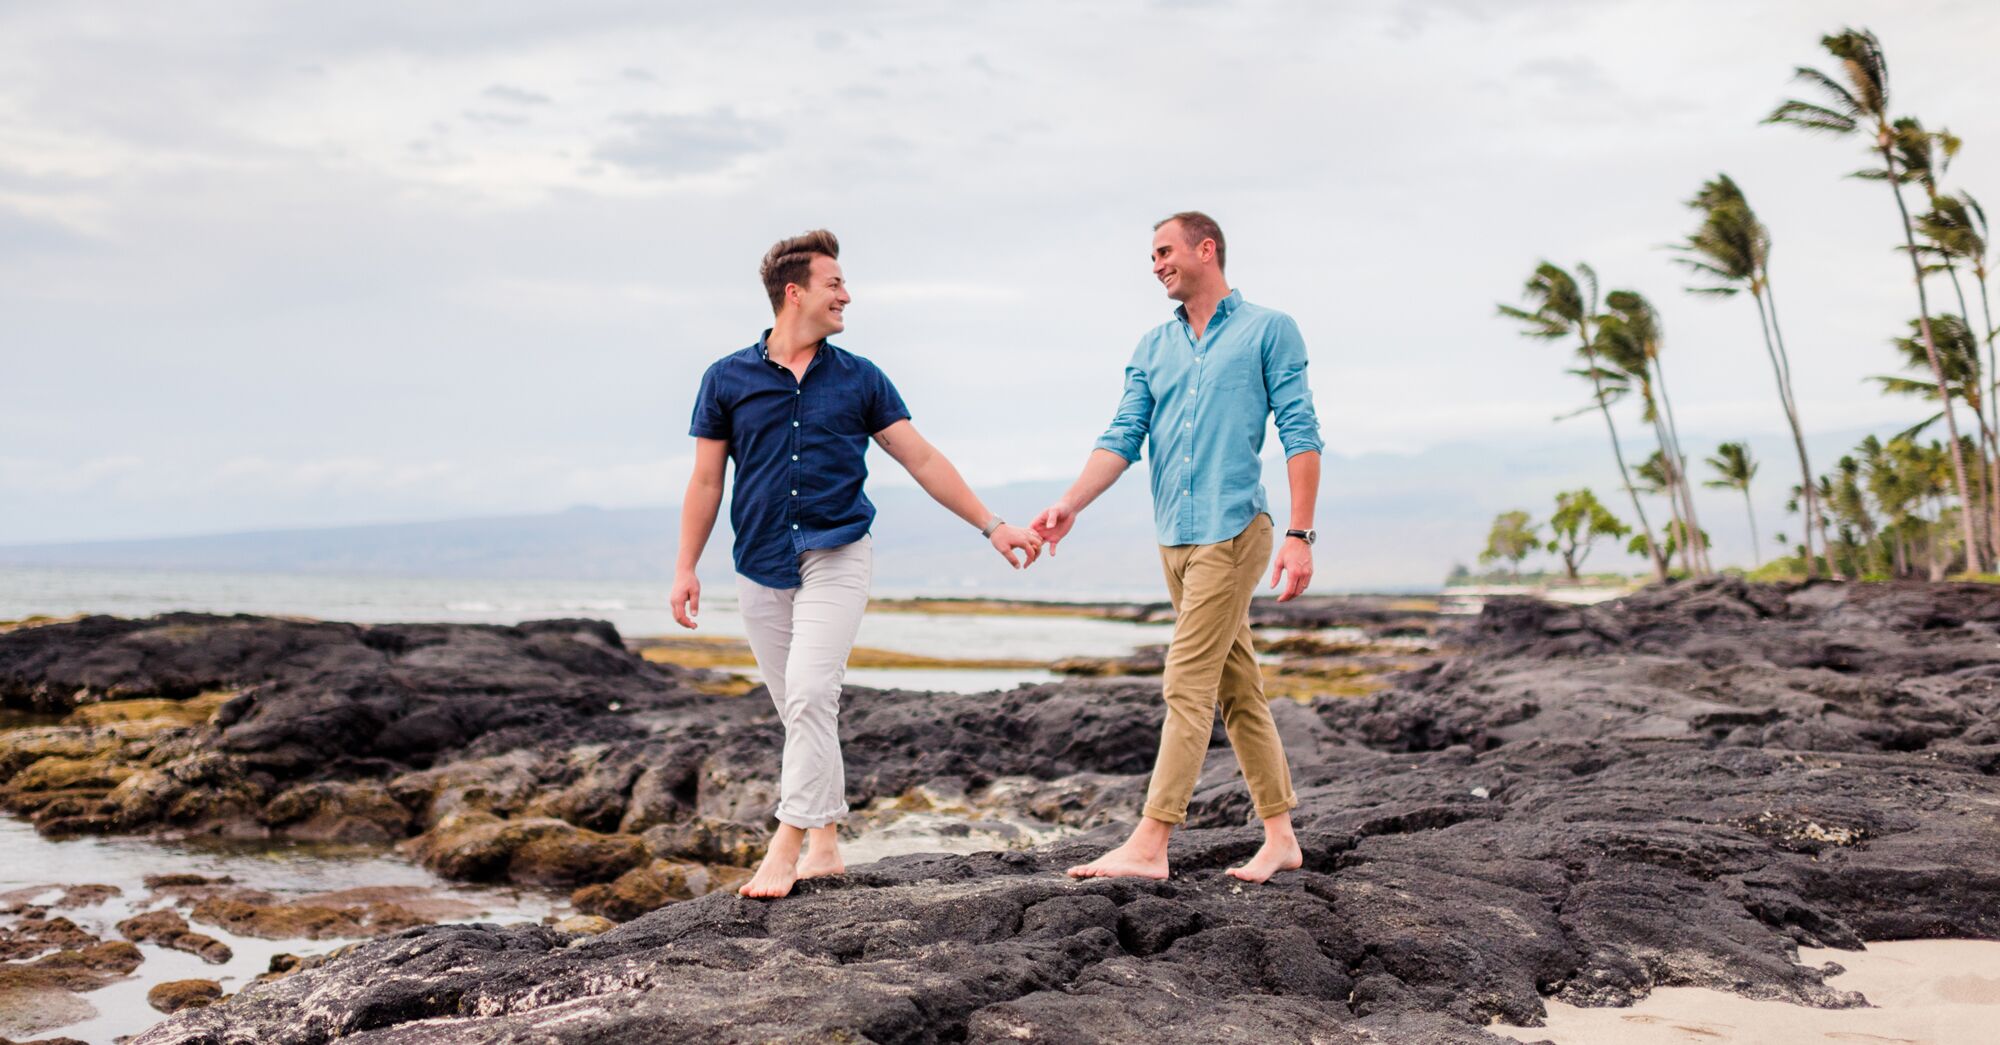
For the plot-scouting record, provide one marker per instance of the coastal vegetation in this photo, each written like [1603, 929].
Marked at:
[1897, 505]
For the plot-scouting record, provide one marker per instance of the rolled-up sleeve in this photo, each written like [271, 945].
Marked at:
[885, 404]
[1291, 396]
[711, 414]
[1126, 435]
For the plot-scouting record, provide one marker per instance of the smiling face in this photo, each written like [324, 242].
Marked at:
[1183, 268]
[820, 303]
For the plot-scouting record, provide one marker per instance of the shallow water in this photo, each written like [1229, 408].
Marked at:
[32, 862]
[944, 680]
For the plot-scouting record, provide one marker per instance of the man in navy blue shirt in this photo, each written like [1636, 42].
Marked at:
[795, 413]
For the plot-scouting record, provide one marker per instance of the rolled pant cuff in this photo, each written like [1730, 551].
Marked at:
[1287, 804]
[811, 823]
[1156, 813]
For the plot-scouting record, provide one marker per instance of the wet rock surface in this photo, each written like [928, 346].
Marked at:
[1676, 789]
[175, 995]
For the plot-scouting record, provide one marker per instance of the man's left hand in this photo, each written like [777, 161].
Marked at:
[1295, 564]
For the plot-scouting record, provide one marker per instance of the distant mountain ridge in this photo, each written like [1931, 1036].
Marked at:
[920, 547]
[1387, 522]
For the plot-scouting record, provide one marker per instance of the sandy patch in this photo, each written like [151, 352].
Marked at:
[1922, 992]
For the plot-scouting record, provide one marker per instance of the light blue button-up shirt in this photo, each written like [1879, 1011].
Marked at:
[1199, 407]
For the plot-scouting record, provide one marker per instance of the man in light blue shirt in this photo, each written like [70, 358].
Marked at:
[1198, 392]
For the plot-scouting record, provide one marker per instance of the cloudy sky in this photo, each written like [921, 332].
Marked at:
[277, 264]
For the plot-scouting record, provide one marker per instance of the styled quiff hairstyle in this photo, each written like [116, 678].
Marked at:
[790, 261]
[1197, 227]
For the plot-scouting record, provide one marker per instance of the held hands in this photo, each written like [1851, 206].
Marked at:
[686, 598]
[1008, 539]
[1295, 557]
[1054, 523]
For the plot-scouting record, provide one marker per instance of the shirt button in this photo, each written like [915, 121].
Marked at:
[795, 424]
[795, 457]
[1189, 424]
[795, 493]
[795, 526]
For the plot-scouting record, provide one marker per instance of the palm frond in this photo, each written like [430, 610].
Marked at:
[1812, 118]
[1844, 101]
[1537, 325]
[1867, 67]
[1914, 430]
[1904, 386]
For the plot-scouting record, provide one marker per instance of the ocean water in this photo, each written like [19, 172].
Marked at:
[637, 609]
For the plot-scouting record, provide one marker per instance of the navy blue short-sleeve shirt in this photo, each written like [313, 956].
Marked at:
[800, 448]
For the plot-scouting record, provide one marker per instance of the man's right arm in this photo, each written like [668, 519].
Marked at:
[698, 511]
[1116, 449]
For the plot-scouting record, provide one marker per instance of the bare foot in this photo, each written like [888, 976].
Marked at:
[1123, 862]
[774, 878]
[817, 866]
[1276, 855]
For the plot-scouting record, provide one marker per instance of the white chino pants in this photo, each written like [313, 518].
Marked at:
[801, 637]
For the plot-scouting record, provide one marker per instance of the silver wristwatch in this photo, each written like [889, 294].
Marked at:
[1311, 537]
[992, 524]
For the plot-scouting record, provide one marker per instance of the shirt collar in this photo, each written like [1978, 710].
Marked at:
[1224, 307]
[762, 350]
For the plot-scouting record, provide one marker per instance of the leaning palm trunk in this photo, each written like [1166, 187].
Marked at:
[1624, 474]
[1774, 345]
[1680, 468]
[1677, 519]
[1974, 561]
[1750, 508]
[1992, 391]
[1982, 481]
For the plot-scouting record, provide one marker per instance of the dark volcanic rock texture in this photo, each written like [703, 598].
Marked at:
[1675, 789]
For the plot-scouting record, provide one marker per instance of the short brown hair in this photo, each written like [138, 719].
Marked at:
[1198, 227]
[790, 260]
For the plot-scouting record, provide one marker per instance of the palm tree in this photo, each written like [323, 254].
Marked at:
[1923, 157]
[1849, 505]
[1958, 350]
[1734, 468]
[1957, 231]
[1732, 249]
[1628, 340]
[1564, 307]
[1656, 475]
[1864, 103]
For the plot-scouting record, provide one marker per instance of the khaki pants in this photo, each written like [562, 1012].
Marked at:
[1211, 658]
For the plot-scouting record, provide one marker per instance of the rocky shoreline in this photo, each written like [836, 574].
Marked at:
[1676, 788]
